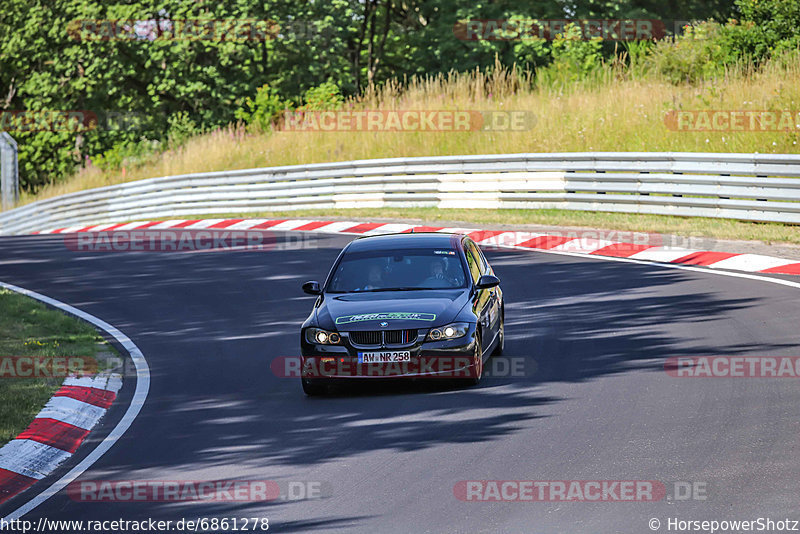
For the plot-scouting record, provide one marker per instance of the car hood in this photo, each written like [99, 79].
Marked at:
[400, 309]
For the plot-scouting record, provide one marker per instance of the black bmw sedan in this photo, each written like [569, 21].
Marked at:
[412, 305]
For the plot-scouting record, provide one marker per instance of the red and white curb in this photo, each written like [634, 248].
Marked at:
[57, 432]
[66, 420]
[572, 242]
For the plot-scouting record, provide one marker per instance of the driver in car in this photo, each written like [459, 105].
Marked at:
[374, 278]
[437, 278]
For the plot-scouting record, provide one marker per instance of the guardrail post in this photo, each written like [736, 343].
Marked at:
[9, 171]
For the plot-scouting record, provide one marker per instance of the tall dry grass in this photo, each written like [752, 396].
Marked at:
[613, 111]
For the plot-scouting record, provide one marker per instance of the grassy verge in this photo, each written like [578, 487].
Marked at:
[615, 112]
[28, 328]
[769, 233]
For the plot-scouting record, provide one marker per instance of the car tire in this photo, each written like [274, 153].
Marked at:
[478, 356]
[313, 389]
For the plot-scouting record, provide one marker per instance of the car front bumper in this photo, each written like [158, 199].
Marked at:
[433, 359]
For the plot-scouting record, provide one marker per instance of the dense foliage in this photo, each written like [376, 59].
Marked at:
[155, 78]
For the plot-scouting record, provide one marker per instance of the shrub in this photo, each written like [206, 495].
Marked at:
[323, 97]
[127, 154]
[181, 128]
[573, 58]
[699, 53]
[768, 28]
[263, 111]
[44, 157]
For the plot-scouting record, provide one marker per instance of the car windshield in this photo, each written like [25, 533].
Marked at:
[398, 270]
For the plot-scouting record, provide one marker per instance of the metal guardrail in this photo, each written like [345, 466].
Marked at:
[9, 171]
[751, 187]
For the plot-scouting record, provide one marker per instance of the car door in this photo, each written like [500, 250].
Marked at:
[482, 303]
[495, 310]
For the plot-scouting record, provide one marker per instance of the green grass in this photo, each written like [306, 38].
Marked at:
[28, 328]
[770, 233]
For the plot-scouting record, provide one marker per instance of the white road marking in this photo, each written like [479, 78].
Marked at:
[584, 245]
[751, 263]
[138, 400]
[73, 412]
[31, 458]
[167, 224]
[205, 223]
[664, 254]
[100, 381]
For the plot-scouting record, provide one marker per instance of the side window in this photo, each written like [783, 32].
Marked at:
[482, 263]
[474, 267]
[486, 268]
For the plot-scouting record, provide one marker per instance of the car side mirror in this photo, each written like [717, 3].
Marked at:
[312, 288]
[486, 281]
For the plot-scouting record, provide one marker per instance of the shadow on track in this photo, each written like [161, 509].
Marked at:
[211, 323]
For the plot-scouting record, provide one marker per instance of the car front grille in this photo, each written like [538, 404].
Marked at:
[367, 337]
[400, 337]
[384, 337]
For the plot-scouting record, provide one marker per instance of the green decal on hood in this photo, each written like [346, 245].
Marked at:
[391, 315]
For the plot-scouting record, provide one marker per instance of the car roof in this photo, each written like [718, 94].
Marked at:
[415, 240]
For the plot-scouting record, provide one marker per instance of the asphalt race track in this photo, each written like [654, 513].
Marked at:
[595, 402]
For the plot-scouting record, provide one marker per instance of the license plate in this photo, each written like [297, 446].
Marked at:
[389, 356]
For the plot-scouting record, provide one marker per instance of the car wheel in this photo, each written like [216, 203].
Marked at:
[501, 337]
[313, 389]
[478, 363]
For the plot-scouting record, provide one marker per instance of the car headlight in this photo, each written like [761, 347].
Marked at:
[450, 331]
[322, 337]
